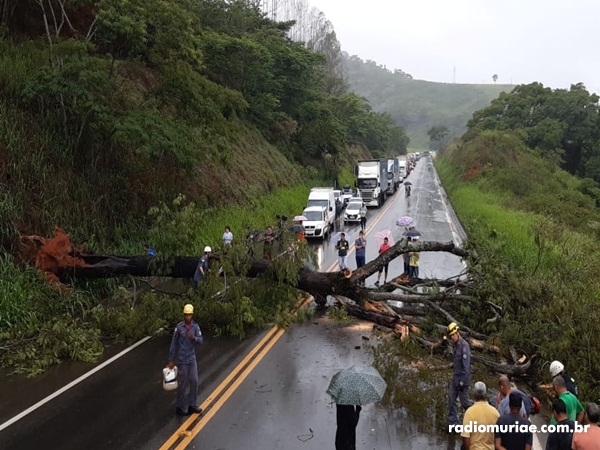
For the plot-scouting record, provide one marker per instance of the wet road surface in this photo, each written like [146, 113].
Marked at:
[123, 406]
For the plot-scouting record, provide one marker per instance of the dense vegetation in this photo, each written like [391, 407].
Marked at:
[127, 122]
[419, 105]
[534, 225]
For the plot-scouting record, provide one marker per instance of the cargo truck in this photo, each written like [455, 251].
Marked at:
[372, 181]
[402, 167]
[323, 197]
[392, 176]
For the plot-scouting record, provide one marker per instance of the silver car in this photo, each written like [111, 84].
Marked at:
[352, 212]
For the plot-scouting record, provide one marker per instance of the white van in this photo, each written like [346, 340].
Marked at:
[325, 198]
[317, 223]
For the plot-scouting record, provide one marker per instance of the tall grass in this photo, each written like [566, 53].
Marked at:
[543, 273]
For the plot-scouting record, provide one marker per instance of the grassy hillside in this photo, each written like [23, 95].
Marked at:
[418, 105]
[535, 228]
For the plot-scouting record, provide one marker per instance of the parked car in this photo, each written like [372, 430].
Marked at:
[352, 212]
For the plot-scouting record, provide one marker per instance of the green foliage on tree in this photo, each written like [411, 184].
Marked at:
[437, 134]
[562, 124]
[535, 230]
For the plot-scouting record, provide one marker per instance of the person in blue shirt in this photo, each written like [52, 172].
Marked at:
[149, 250]
[360, 245]
[461, 374]
[203, 267]
[182, 352]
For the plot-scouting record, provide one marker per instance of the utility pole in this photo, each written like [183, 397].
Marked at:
[454, 75]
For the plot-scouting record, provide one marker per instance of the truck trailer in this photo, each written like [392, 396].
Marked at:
[393, 179]
[402, 167]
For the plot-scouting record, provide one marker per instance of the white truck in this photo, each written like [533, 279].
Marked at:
[372, 181]
[402, 167]
[317, 223]
[324, 197]
[392, 176]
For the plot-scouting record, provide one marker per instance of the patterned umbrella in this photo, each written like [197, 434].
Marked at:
[381, 235]
[404, 221]
[358, 385]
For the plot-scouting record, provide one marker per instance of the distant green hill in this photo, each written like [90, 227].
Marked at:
[418, 105]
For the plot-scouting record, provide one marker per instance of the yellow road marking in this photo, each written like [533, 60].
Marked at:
[226, 388]
[217, 406]
[242, 370]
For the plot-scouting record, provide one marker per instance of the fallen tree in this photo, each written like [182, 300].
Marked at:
[62, 261]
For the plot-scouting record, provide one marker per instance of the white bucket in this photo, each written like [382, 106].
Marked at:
[170, 378]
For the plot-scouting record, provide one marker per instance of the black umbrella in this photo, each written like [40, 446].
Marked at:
[413, 233]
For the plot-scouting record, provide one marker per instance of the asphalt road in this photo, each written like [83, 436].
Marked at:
[280, 404]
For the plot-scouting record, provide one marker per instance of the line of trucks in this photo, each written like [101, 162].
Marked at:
[376, 180]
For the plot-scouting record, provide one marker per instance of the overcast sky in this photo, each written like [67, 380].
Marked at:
[550, 41]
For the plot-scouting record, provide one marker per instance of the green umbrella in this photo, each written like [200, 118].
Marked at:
[358, 385]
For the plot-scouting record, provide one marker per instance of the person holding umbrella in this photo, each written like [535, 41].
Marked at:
[347, 419]
[413, 262]
[351, 388]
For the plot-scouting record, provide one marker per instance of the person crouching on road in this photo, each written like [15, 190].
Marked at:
[186, 336]
[461, 373]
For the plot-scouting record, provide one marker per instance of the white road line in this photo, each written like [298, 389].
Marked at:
[29, 410]
[537, 445]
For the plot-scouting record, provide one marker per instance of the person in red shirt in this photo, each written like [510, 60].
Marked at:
[383, 248]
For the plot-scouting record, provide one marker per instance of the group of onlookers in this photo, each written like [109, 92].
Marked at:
[410, 258]
[578, 427]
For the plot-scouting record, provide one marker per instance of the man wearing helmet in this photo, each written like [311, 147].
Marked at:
[202, 268]
[557, 368]
[186, 336]
[461, 373]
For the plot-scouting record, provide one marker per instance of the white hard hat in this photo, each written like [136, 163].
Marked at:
[556, 367]
[170, 378]
[207, 249]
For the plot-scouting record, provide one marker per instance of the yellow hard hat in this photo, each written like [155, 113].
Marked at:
[188, 309]
[452, 328]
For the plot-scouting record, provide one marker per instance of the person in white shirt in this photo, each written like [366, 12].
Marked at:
[227, 237]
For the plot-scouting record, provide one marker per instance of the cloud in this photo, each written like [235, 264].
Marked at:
[526, 40]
